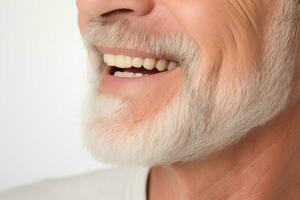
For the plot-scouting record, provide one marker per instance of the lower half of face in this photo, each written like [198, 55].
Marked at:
[181, 96]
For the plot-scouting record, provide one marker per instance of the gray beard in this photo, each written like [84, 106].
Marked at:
[203, 117]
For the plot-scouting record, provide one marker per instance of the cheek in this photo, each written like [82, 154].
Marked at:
[206, 22]
[82, 21]
[211, 20]
[200, 19]
[228, 33]
[232, 22]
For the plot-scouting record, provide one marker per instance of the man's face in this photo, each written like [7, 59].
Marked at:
[178, 80]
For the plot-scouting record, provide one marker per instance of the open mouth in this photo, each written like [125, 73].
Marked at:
[133, 67]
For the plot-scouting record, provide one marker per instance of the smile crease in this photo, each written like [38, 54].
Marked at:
[132, 67]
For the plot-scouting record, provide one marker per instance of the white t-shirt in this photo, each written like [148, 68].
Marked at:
[122, 183]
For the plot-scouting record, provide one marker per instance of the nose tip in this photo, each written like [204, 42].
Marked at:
[114, 9]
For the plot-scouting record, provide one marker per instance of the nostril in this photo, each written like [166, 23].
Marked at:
[116, 12]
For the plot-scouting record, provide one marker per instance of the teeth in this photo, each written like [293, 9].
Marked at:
[118, 74]
[149, 63]
[138, 75]
[161, 65]
[127, 61]
[127, 74]
[109, 59]
[172, 65]
[137, 62]
[119, 60]
[123, 62]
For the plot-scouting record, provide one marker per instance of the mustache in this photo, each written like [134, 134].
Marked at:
[125, 35]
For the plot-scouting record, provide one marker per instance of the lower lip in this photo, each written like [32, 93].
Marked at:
[111, 83]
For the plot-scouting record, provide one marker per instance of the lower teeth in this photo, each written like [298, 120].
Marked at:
[128, 74]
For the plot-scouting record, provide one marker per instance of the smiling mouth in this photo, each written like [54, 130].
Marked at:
[124, 66]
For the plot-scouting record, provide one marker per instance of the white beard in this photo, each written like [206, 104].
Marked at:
[201, 118]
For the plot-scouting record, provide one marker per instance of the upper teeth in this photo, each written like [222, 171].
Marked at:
[122, 61]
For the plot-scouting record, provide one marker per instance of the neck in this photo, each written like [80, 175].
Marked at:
[265, 165]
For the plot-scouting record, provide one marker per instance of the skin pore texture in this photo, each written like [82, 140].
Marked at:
[225, 124]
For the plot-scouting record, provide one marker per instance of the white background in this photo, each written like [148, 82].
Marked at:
[42, 88]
